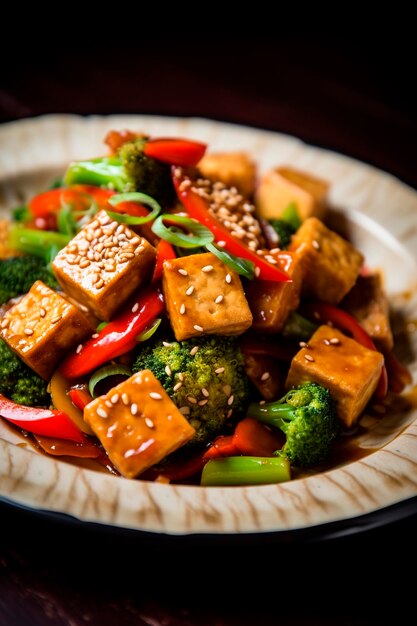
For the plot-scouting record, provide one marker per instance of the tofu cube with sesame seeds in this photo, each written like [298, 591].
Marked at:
[103, 265]
[42, 327]
[271, 302]
[204, 296]
[349, 370]
[330, 263]
[234, 169]
[138, 424]
[282, 186]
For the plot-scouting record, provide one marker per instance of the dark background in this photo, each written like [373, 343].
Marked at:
[349, 87]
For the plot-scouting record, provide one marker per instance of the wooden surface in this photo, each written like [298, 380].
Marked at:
[353, 95]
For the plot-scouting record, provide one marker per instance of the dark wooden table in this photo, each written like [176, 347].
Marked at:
[351, 94]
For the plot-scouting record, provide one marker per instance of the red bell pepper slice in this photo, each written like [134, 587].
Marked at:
[252, 438]
[164, 252]
[118, 336]
[50, 202]
[223, 445]
[47, 422]
[198, 208]
[182, 152]
[345, 322]
[80, 396]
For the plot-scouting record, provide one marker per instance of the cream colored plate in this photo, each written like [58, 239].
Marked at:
[380, 214]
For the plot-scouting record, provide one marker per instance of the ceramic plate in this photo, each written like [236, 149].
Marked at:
[375, 210]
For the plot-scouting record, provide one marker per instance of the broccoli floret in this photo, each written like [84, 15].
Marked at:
[205, 378]
[284, 230]
[17, 275]
[129, 170]
[307, 416]
[18, 382]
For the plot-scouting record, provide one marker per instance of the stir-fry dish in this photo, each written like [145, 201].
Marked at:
[177, 315]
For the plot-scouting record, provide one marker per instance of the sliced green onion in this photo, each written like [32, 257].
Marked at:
[141, 198]
[199, 234]
[244, 267]
[65, 221]
[101, 326]
[292, 216]
[105, 372]
[147, 334]
[43, 243]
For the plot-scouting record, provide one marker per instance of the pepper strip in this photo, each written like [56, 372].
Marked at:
[198, 208]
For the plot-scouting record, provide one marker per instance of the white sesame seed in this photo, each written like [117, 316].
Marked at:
[42, 312]
[228, 279]
[168, 370]
[114, 398]
[185, 410]
[28, 331]
[230, 400]
[265, 376]
[198, 328]
[155, 395]
[219, 370]
[326, 342]
[182, 309]
[315, 244]
[205, 392]
[334, 341]
[261, 402]
[207, 268]
[221, 244]
[135, 307]
[191, 400]
[5, 323]
[79, 348]
[202, 402]
[102, 412]
[229, 413]
[166, 344]
[194, 350]
[257, 271]
[227, 390]
[56, 319]
[303, 344]
[218, 299]
[190, 290]
[181, 376]
[149, 423]
[133, 408]
[177, 386]
[182, 272]
[308, 357]
[125, 399]
[94, 336]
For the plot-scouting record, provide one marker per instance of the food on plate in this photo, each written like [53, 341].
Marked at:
[174, 314]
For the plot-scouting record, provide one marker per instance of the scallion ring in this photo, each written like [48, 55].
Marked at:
[134, 196]
[105, 372]
[244, 267]
[147, 334]
[199, 234]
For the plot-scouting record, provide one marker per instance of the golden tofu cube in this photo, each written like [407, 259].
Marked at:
[282, 186]
[138, 424]
[42, 327]
[204, 296]
[234, 169]
[349, 370]
[271, 302]
[331, 264]
[103, 265]
[368, 303]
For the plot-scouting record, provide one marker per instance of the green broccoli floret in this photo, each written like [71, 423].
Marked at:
[307, 417]
[284, 230]
[17, 275]
[205, 378]
[129, 170]
[19, 383]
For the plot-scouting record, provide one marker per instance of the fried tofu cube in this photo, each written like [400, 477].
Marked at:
[234, 169]
[204, 296]
[138, 424]
[368, 303]
[42, 327]
[103, 265]
[349, 370]
[330, 263]
[283, 185]
[271, 302]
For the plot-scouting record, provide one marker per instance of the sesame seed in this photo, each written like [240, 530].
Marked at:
[42, 312]
[125, 399]
[56, 319]
[28, 331]
[205, 392]
[166, 344]
[168, 370]
[261, 402]
[114, 398]
[303, 344]
[99, 284]
[190, 290]
[265, 376]
[177, 386]
[185, 410]
[155, 395]
[202, 402]
[315, 244]
[228, 279]
[334, 341]
[149, 423]
[326, 342]
[230, 400]
[308, 357]
[257, 271]
[4, 323]
[218, 299]
[94, 336]
[194, 350]
[221, 244]
[198, 328]
[79, 348]
[102, 412]
[181, 376]
[182, 272]
[219, 370]
[227, 390]
[135, 307]
[229, 413]
[134, 408]
[207, 268]
[182, 309]
[191, 400]
[84, 263]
